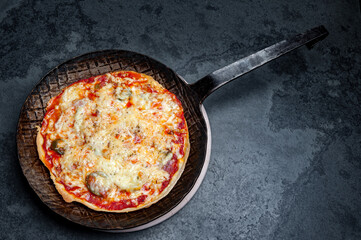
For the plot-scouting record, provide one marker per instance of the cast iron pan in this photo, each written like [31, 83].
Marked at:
[191, 96]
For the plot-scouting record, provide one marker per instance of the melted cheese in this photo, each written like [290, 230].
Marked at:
[118, 133]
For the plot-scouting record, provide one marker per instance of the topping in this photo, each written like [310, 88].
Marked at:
[97, 86]
[58, 146]
[168, 157]
[123, 94]
[95, 182]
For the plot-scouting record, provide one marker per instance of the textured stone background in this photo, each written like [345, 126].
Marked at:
[285, 160]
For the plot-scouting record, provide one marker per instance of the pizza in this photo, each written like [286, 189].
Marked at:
[116, 142]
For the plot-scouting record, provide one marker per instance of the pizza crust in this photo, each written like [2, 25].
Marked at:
[39, 144]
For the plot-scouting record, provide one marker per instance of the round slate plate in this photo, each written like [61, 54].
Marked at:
[93, 64]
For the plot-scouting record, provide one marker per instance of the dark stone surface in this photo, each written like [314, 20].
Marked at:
[286, 150]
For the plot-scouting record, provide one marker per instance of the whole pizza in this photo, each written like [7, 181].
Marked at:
[116, 142]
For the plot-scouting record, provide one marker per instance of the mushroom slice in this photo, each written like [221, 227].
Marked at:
[96, 183]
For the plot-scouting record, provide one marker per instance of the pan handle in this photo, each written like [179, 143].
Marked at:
[218, 78]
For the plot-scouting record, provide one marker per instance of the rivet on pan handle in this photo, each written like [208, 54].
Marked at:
[216, 79]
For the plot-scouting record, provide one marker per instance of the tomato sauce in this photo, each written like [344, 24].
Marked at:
[70, 188]
[87, 80]
[171, 167]
[133, 75]
[91, 96]
[129, 104]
